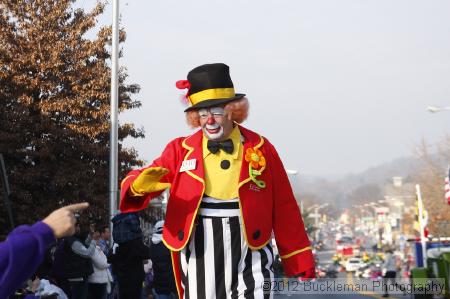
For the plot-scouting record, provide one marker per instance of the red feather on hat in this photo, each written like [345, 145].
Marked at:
[184, 84]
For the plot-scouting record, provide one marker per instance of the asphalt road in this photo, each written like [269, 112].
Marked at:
[343, 277]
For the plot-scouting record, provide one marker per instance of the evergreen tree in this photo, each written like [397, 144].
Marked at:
[54, 107]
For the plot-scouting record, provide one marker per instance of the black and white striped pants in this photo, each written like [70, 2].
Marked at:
[217, 262]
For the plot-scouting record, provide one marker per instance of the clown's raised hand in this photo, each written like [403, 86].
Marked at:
[149, 181]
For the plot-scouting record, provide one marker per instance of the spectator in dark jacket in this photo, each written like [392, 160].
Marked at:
[59, 264]
[128, 255]
[78, 263]
[105, 236]
[44, 271]
[163, 282]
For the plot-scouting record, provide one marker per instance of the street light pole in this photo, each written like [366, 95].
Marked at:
[114, 127]
[434, 109]
[312, 207]
[316, 222]
[294, 172]
[378, 224]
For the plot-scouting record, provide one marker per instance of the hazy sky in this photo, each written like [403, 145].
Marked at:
[336, 86]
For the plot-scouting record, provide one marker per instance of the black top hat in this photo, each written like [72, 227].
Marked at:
[209, 85]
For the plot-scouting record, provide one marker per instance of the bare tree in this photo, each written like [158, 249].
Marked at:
[435, 159]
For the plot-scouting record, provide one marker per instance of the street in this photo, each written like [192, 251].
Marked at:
[325, 257]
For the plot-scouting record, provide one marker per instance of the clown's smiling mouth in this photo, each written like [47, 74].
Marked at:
[213, 131]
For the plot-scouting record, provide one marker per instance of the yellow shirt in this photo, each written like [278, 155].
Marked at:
[223, 183]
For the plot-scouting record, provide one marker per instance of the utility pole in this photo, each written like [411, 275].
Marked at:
[114, 127]
[6, 191]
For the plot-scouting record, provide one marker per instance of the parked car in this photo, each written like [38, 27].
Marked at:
[363, 271]
[353, 264]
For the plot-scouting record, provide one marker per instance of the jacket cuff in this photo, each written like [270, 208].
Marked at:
[42, 229]
[298, 261]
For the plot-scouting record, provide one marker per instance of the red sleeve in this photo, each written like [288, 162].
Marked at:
[168, 159]
[290, 235]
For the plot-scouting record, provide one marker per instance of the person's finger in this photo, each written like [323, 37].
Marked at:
[150, 170]
[77, 207]
[156, 170]
[162, 186]
[164, 170]
[160, 174]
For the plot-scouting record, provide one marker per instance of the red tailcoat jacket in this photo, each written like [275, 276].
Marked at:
[263, 210]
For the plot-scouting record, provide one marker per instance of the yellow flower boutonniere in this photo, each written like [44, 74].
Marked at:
[256, 165]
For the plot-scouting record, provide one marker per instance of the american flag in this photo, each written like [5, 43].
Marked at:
[447, 187]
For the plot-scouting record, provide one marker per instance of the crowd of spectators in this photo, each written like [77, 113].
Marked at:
[82, 264]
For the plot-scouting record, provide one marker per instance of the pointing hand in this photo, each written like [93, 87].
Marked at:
[62, 221]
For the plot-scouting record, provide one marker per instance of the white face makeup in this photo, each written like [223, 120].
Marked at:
[215, 125]
[215, 111]
[213, 132]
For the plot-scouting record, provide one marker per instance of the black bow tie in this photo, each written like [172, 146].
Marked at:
[215, 146]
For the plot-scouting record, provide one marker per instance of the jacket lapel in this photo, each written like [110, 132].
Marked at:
[251, 140]
[193, 145]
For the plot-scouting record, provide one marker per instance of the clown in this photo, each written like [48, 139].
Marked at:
[229, 193]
